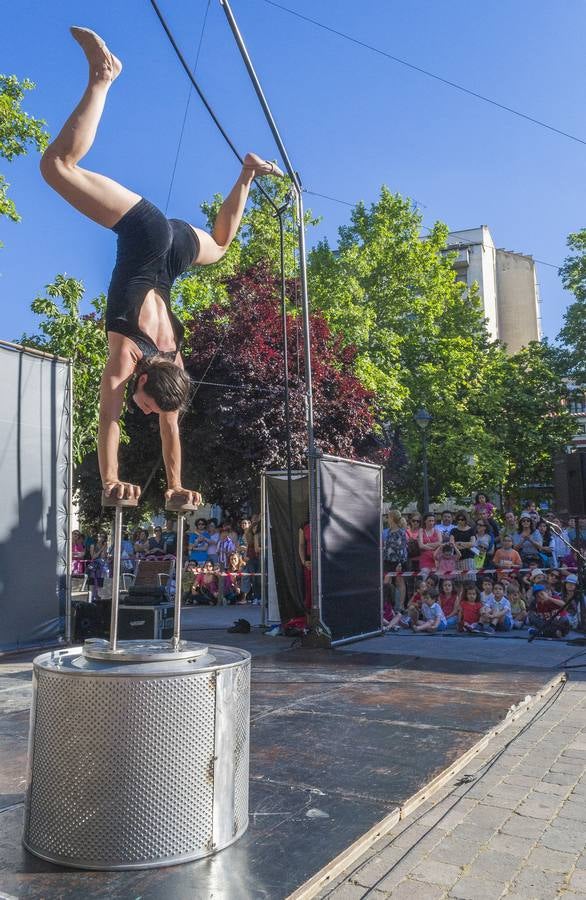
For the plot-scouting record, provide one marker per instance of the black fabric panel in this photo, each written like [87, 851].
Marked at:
[288, 571]
[350, 514]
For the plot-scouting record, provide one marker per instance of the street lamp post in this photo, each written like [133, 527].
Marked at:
[423, 419]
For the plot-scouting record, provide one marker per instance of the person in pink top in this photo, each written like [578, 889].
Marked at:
[429, 538]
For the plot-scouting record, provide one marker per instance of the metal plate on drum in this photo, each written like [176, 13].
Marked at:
[143, 651]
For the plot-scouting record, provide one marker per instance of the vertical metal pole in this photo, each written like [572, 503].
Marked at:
[425, 476]
[116, 577]
[380, 542]
[178, 580]
[311, 451]
[69, 557]
[263, 551]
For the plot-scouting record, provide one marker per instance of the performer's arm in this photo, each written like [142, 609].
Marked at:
[171, 443]
[119, 369]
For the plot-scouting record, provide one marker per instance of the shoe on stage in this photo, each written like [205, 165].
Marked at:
[102, 63]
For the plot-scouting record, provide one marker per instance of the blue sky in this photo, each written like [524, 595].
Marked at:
[352, 120]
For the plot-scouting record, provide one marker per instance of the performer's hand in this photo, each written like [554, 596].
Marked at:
[181, 495]
[121, 489]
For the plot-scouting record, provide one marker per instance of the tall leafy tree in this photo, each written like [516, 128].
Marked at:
[18, 132]
[62, 330]
[573, 334]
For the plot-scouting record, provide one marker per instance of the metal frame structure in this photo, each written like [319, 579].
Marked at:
[317, 567]
[297, 187]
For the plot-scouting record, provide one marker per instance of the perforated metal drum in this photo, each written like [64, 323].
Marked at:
[137, 764]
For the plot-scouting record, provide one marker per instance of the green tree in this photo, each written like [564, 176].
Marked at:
[420, 335]
[18, 131]
[573, 334]
[81, 338]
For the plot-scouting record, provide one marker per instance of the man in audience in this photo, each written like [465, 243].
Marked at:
[170, 538]
[446, 524]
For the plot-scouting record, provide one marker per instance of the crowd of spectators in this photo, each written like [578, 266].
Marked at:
[220, 558]
[471, 572]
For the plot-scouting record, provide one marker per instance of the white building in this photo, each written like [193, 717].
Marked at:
[507, 283]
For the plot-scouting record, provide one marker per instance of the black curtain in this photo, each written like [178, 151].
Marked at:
[350, 515]
[285, 539]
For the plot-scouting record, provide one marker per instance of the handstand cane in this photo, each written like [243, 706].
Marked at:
[118, 505]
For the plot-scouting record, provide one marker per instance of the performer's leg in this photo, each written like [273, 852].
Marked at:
[101, 199]
[213, 247]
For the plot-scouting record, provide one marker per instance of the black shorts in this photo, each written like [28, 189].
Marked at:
[152, 252]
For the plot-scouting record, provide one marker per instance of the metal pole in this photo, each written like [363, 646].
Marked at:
[116, 577]
[311, 450]
[425, 478]
[259, 93]
[69, 562]
[178, 580]
[263, 551]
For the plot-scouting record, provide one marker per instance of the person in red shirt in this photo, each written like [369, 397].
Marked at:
[548, 615]
[449, 600]
[470, 607]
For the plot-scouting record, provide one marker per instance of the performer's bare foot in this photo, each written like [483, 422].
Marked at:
[104, 66]
[260, 166]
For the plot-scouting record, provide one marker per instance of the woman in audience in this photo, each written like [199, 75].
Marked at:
[528, 542]
[412, 531]
[463, 537]
[233, 579]
[429, 540]
[98, 567]
[395, 557]
[77, 554]
[449, 600]
[156, 544]
[141, 544]
[546, 554]
[208, 585]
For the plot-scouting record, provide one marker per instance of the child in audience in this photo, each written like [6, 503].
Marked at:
[487, 595]
[518, 605]
[506, 557]
[449, 600]
[547, 615]
[434, 619]
[446, 558]
[497, 616]
[414, 607]
[470, 607]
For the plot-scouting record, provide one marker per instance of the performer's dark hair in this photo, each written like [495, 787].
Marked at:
[167, 383]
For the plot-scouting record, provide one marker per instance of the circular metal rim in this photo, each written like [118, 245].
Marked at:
[142, 651]
[172, 861]
[244, 658]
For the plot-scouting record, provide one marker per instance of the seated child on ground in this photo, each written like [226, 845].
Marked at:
[547, 614]
[497, 615]
[470, 607]
[449, 600]
[518, 605]
[434, 619]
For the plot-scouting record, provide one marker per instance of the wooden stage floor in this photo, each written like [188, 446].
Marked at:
[338, 740]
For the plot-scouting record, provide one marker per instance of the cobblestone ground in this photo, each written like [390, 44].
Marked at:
[512, 826]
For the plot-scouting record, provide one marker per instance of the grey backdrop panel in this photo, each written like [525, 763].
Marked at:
[285, 539]
[34, 478]
[350, 511]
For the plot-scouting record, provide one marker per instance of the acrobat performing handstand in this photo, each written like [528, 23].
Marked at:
[144, 336]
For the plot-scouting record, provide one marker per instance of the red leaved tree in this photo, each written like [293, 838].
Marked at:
[235, 426]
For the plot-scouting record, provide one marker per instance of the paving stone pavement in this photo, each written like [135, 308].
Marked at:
[513, 826]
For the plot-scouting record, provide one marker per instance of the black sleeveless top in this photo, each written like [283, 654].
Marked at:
[152, 252]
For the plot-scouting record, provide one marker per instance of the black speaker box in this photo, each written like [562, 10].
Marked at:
[570, 484]
[91, 620]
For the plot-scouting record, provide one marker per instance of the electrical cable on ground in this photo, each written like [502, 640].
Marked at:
[484, 769]
[426, 72]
